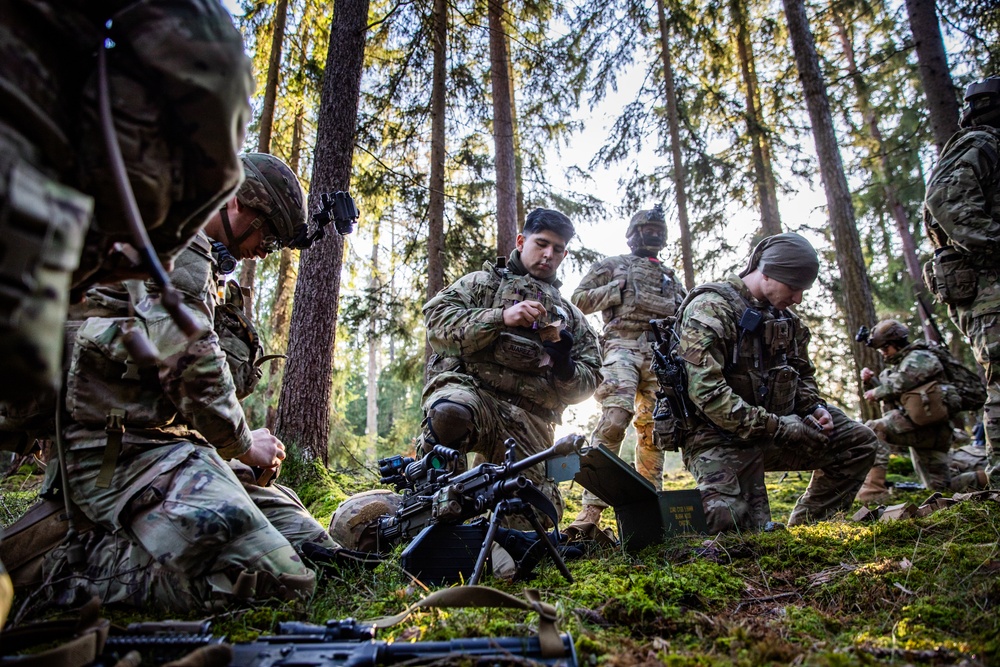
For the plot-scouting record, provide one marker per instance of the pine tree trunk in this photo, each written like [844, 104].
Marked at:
[503, 132]
[680, 179]
[303, 417]
[856, 298]
[248, 268]
[519, 189]
[884, 174]
[942, 100]
[435, 211]
[767, 196]
[288, 271]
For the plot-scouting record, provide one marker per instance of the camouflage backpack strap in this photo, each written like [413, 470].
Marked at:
[239, 339]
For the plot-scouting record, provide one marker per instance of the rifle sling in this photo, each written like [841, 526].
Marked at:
[484, 596]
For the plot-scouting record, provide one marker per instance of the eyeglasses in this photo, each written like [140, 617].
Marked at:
[270, 241]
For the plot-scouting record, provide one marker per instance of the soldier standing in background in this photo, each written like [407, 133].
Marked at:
[509, 353]
[629, 290]
[910, 366]
[158, 451]
[962, 216]
[753, 390]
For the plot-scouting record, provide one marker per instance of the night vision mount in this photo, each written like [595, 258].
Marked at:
[864, 335]
[337, 207]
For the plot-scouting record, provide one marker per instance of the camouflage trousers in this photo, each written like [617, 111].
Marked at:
[730, 475]
[630, 385]
[980, 323]
[929, 446]
[178, 529]
[495, 421]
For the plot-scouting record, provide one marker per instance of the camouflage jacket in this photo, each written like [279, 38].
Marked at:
[911, 367]
[650, 291]
[466, 331]
[180, 85]
[738, 379]
[189, 394]
[962, 206]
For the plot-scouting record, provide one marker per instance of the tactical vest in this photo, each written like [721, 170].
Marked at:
[651, 291]
[985, 139]
[757, 366]
[238, 338]
[512, 364]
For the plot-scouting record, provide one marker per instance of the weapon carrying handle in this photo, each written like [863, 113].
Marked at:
[484, 596]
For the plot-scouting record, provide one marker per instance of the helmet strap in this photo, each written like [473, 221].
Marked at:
[232, 243]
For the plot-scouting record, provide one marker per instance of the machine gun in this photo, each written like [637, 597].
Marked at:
[436, 502]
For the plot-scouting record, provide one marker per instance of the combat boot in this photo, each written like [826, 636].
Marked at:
[589, 514]
[874, 489]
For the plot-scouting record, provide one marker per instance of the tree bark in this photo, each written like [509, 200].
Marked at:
[942, 100]
[503, 131]
[248, 268]
[303, 418]
[883, 174]
[680, 179]
[767, 196]
[856, 297]
[435, 210]
[371, 397]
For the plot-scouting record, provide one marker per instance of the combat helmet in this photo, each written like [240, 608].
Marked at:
[889, 332]
[272, 188]
[982, 103]
[643, 244]
[354, 524]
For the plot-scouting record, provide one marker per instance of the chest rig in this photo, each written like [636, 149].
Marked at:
[512, 365]
[650, 292]
[758, 367]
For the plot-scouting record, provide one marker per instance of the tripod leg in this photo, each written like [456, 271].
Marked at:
[491, 533]
[543, 536]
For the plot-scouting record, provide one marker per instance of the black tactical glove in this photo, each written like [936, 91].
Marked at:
[563, 365]
[793, 430]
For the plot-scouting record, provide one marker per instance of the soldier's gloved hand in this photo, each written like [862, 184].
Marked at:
[792, 430]
[563, 365]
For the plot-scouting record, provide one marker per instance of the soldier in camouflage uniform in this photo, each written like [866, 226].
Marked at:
[753, 391]
[629, 290]
[908, 366]
[509, 353]
[962, 215]
[148, 441]
[179, 86]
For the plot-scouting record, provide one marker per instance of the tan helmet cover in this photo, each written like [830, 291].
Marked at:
[354, 524]
[889, 331]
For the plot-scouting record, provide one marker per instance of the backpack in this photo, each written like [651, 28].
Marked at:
[970, 388]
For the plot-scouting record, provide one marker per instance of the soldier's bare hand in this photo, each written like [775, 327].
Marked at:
[867, 374]
[870, 395]
[825, 419]
[265, 452]
[523, 314]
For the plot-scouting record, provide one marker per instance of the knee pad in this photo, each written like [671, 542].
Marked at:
[613, 423]
[449, 423]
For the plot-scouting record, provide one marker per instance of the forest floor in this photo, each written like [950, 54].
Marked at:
[918, 591]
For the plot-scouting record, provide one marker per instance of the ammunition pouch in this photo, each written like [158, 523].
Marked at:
[519, 354]
[103, 378]
[925, 405]
[950, 276]
[781, 384]
[669, 424]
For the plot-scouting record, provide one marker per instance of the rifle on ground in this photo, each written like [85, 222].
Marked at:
[349, 643]
[343, 643]
[436, 502]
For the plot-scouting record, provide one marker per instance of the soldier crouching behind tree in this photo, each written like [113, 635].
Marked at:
[914, 370]
[753, 389]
